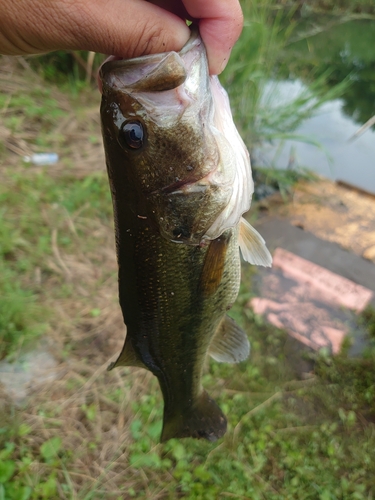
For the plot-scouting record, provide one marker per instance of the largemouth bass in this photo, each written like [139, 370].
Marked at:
[180, 179]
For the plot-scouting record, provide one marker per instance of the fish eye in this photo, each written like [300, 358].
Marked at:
[132, 134]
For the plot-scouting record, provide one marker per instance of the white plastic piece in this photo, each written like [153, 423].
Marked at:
[42, 158]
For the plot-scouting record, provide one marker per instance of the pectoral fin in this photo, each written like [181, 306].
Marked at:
[128, 357]
[213, 266]
[252, 245]
[230, 343]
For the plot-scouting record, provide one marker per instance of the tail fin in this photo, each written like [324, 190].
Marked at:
[203, 419]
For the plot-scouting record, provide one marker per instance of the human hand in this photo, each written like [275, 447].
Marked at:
[125, 28]
[220, 25]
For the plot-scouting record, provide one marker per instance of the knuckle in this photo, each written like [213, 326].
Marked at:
[146, 39]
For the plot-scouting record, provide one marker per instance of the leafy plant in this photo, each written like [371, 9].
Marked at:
[279, 179]
[251, 78]
[79, 67]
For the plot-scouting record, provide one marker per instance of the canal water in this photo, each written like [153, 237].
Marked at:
[344, 51]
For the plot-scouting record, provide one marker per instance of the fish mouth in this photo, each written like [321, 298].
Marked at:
[99, 73]
[152, 73]
[176, 186]
[189, 184]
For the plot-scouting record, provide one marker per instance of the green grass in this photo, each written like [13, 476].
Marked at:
[252, 74]
[35, 208]
[282, 180]
[43, 211]
[342, 6]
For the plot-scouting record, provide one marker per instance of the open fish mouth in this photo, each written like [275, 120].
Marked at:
[164, 71]
[108, 59]
[154, 72]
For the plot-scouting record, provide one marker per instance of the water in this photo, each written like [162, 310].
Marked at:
[345, 51]
[338, 157]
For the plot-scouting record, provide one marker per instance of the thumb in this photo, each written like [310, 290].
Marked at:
[124, 28]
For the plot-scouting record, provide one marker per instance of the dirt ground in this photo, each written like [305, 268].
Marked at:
[332, 212]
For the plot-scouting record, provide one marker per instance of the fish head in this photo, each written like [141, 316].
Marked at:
[160, 129]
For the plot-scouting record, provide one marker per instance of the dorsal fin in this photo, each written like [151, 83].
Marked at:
[252, 245]
[230, 343]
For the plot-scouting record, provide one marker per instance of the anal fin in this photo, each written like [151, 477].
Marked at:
[252, 245]
[128, 357]
[230, 343]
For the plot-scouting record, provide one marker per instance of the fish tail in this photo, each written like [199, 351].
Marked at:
[203, 419]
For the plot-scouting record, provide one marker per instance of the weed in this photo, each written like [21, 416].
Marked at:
[281, 180]
[79, 66]
[251, 78]
[342, 6]
[367, 319]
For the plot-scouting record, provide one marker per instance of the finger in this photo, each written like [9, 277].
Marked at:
[220, 25]
[134, 28]
[125, 28]
[175, 6]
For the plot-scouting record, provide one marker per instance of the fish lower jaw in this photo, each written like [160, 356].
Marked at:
[185, 186]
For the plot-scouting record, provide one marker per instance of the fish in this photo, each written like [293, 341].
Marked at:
[180, 179]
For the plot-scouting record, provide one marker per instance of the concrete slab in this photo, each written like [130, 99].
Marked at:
[332, 212]
[279, 232]
[311, 297]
